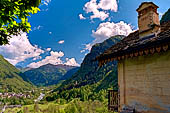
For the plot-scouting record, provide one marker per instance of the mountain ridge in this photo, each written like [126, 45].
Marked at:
[48, 74]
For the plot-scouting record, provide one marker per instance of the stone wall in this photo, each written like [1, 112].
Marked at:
[144, 83]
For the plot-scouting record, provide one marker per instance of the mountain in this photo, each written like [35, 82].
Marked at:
[47, 74]
[23, 69]
[166, 17]
[90, 73]
[10, 79]
[70, 73]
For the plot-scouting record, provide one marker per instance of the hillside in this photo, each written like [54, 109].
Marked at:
[47, 74]
[166, 17]
[10, 80]
[90, 73]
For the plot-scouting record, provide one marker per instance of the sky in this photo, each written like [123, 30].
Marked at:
[64, 31]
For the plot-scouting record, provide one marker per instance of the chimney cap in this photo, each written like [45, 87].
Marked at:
[149, 3]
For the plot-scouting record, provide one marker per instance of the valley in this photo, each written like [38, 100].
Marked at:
[65, 86]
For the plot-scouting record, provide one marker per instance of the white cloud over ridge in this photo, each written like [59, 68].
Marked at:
[71, 62]
[20, 49]
[54, 59]
[107, 30]
[100, 10]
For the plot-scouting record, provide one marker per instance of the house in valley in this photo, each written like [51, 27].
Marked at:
[143, 64]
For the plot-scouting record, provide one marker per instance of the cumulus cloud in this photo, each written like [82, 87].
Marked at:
[19, 49]
[107, 30]
[71, 62]
[37, 58]
[61, 41]
[108, 5]
[100, 10]
[81, 17]
[100, 14]
[54, 58]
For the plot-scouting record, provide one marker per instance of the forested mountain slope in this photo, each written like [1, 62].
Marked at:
[10, 78]
[91, 73]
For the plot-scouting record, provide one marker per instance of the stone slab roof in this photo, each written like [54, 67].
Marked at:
[133, 43]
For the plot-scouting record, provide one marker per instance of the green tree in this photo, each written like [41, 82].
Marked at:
[14, 17]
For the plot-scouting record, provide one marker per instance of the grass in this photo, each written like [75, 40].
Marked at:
[74, 106]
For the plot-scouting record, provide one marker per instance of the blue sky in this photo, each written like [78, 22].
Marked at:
[64, 30]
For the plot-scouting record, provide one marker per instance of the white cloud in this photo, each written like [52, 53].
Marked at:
[54, 58]
[37, 58]
[82, 51]
[107, 30]
[100, 10]
[46, 2]
[88, 47]
[108, 5]
[100, 14]
[49, 33]
[20, 49]
[61, 41]
[71, 62]
[48, 49]
[37, 28]
[81, 17]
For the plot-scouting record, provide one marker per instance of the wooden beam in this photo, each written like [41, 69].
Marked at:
[141, 53]
[136, 54]
[158, 49]
[131, 55]
[127, 55]
[165, 47]
[152, 50]
[146, 51]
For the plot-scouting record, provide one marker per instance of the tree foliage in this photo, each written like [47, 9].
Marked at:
[14, 17]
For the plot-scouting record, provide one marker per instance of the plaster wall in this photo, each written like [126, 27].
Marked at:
[144, 83]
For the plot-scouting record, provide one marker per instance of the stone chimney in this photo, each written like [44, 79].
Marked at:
[148, 19]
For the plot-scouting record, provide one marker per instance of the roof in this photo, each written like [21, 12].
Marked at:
[132, 43]
[144, 3]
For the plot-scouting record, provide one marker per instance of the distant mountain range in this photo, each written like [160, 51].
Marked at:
[49, 74]
[10, 78]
